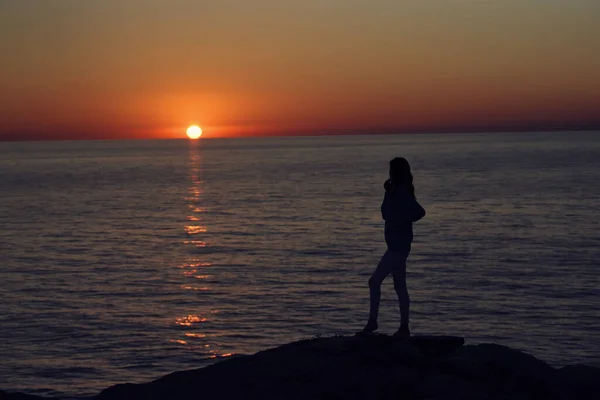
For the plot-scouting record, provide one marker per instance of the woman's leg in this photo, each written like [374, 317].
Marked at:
[381, 272]
[399, 275]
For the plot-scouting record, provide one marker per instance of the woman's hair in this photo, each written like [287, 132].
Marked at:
[400, 174]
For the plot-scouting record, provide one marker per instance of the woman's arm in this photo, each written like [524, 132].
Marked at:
[417, 211]
[400, 207]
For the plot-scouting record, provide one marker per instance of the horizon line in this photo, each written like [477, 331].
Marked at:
[308, 134]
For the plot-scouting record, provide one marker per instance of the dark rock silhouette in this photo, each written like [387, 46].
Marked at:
[371, 367]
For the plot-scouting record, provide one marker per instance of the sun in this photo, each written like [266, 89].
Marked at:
[194, 131]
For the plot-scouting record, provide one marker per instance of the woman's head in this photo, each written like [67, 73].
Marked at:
[400, 174]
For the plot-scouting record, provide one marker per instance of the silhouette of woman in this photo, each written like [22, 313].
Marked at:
[399, 210]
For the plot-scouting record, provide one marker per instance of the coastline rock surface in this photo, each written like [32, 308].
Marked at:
[370, 367]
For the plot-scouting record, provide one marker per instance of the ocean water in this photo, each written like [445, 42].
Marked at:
[122, 261]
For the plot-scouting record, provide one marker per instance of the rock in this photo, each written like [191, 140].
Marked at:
[512, 371]
[506, 369]
[341, 367]
[580, 381]
[446, 386]
[437, 345]
[370, 367]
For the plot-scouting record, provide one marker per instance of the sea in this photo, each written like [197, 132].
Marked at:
[123, 261]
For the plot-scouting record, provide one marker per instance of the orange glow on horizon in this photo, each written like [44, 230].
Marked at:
[411, 67]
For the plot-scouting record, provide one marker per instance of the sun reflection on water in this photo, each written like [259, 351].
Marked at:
[195, 335]
[205, 288]
[194, 229]
[194, 269]
[189, 320]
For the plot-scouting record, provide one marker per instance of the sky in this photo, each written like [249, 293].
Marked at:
[73, 69]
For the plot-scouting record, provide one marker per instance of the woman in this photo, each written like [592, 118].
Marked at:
[399, 210]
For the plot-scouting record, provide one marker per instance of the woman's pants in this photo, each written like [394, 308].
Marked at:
[394, 262]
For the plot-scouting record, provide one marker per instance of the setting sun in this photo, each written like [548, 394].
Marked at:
[194, 132]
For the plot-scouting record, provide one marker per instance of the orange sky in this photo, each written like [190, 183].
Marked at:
[76, 69]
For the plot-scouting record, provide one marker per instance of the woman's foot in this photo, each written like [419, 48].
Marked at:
[403, 332]
[370, 327]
